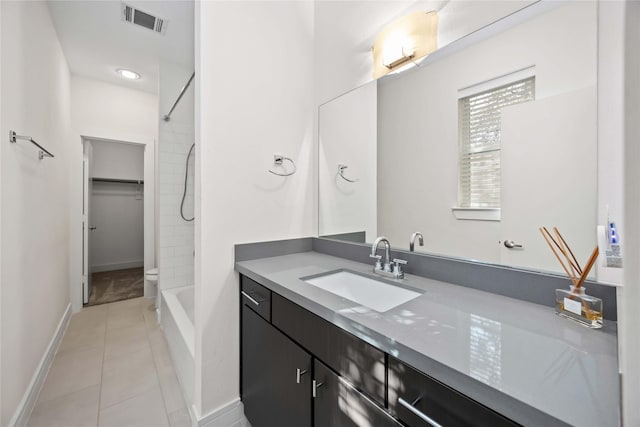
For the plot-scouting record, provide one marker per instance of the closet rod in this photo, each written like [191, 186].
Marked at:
[121, 181]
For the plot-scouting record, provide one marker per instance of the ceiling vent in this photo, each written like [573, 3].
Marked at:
[143, 19]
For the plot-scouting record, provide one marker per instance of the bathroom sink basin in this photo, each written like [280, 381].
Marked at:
[368, 291]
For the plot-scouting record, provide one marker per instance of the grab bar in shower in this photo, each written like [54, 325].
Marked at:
[13, 138]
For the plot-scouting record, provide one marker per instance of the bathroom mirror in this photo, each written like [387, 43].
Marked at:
[389, 149]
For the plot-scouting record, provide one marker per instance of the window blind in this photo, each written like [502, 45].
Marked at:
[479, 139]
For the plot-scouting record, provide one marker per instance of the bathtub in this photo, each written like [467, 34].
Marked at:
[177, 319]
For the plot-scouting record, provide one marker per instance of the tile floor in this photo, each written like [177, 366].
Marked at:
[113, 368]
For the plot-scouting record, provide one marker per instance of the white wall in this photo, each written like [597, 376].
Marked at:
[175, 235]
[35, 207]
[611, 16]
[1, 107]
[117, 211]
[118, 239]
[348, 135]
[105, 111]
[117, 160]
[256, 100]
[418, 137]
[628, 305]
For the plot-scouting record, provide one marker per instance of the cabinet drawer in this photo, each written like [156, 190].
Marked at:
[415, 398]
[338, 403]
[360, 363]
[256, 297]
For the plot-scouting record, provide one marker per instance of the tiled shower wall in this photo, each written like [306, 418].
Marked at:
[176, 239]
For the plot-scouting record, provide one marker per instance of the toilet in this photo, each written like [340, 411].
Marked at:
[152, 277]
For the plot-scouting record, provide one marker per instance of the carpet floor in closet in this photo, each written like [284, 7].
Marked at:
[117, 285]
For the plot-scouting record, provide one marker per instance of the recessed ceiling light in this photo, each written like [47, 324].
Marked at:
[128, 74]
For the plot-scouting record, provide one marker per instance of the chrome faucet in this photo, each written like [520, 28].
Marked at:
[387, 268]
[412, 242]
[387, 248]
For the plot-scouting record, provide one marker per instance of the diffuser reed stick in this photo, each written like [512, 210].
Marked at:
[547, 236]
[567, 248]
[592, 260]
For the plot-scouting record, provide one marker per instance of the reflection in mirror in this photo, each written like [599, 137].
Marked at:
[403, 138]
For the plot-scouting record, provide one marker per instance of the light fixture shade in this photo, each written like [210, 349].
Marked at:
[403, 41]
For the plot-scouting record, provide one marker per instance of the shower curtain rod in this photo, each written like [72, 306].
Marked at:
[167, 117]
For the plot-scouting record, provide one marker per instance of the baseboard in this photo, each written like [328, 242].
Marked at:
[117, 266]
[23, 412]
[228, 415]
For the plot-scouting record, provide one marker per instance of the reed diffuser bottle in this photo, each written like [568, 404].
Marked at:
[576, 305]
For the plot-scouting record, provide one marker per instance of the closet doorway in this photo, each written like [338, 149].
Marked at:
[113, 221]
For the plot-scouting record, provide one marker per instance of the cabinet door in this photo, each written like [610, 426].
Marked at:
[338, 404]
[359, 362]
[271, 394]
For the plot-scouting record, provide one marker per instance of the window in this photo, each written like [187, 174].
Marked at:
[479, 141]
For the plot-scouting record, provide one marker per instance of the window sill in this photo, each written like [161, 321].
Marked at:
[477, 214]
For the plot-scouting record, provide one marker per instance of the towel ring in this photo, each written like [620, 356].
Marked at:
[278, 160]
[341, 169]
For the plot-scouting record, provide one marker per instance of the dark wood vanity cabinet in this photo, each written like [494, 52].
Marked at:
[300, 370]
[278, 367]
[419, 400]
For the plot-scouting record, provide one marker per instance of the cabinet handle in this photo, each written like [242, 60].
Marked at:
[250, 298]
[418, 413]
[300, 373]
[314, 388]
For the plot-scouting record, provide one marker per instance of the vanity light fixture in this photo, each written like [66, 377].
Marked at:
[128, 74]
[401, 57]
[404, 41]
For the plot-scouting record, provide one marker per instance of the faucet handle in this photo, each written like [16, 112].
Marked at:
[378, 262]
[398, 267]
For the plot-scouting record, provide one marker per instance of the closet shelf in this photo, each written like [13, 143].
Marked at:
[121, 181]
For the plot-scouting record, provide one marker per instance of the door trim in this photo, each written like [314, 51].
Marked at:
[149, 143]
